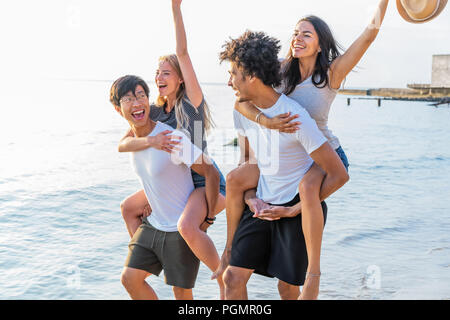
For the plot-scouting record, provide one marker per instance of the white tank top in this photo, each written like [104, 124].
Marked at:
[317, 101]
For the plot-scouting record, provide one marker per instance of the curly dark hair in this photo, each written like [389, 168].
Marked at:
[257, 54]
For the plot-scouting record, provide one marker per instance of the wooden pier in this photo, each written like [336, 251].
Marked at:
[436, 96]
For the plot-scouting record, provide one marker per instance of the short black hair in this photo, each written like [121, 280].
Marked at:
[123, 85]
[257, 54]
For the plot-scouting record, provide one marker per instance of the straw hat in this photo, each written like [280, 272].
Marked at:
[419, 11]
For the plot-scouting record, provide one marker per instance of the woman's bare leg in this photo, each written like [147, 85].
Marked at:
[189, 227]
[239, 180]
[312, 225]
[132, 208]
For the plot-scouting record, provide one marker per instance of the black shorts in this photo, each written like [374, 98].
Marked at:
[272, 248]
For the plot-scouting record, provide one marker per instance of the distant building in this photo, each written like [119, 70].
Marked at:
[440, 75]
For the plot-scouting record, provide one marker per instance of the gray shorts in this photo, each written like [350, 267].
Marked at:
[153, 250]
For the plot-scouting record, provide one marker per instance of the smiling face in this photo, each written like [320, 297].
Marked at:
[135, 107]
[305, 41]
[240, 83]
[167, 79]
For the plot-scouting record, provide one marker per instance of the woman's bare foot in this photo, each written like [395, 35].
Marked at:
[310, 289]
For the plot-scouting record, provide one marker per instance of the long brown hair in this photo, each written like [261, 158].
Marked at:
[180, 114]
[290, 69]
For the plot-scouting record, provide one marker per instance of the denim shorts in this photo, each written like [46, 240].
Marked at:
[199, 181]
[343, 157]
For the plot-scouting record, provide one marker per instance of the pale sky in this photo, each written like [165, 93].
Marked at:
[80, 39]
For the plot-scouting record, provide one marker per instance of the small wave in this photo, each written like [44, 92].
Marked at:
[16, 290]
[428, 158]
[370, 234]
[89, 192]
[379, 166]
[431, 158]
[437, 249]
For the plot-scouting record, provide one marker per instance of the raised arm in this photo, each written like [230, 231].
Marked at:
[343, 64]
[283, 122]
[193, 89]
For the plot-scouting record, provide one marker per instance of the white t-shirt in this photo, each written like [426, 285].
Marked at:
[166, 178]
[283, 159]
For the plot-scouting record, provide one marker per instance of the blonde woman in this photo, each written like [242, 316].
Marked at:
[180, 104]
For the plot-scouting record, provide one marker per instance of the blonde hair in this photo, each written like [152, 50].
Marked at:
[180, 114]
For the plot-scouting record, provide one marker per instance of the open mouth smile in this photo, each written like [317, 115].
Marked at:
[138, 114]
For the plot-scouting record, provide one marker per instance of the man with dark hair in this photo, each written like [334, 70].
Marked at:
[123, 86]
[273, 245]
[167, 182]
[256, 54]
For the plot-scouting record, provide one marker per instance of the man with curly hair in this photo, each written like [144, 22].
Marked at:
[269, 241]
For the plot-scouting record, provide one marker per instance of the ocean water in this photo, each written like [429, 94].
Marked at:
[62, 180]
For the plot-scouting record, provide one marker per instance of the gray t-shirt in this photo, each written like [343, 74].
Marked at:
[317, 101]
[195, 129]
